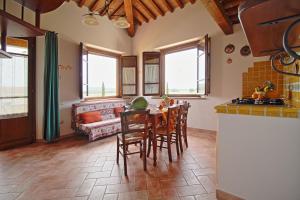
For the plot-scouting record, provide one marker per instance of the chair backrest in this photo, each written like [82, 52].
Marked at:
[173, 118]
[133, 121]
[184, 109]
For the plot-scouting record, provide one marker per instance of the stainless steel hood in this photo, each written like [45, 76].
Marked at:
[4, 54]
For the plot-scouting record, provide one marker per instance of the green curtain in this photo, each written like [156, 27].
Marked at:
[51, 91]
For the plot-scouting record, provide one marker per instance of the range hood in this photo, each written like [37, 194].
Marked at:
[272, 28]
[4, 54]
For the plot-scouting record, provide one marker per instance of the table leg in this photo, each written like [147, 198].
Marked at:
[154, 140]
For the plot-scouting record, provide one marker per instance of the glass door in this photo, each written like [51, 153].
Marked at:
[17, 99]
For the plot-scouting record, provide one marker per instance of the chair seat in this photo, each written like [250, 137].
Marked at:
[132, 137]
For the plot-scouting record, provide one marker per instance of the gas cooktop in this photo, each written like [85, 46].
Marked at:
[250, 101]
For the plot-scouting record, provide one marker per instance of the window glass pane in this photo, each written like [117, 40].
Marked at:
[181, 72]
[201, 82]
[14, 85]
[102, 76]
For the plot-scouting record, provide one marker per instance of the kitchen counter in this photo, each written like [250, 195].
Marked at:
[258, 148]
[288, 111]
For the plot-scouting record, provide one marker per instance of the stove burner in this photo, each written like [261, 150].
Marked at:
[250, 101]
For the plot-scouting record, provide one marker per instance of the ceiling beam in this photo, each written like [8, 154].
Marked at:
[217, 12]
[167, 5]
[129, 15]
[146, 9]
[157, 8]
[102, 12]
[192, 1]
[81, 3]
[116, 10]
[138, 20]
[179, 3]
[95, 5]
[139, 15]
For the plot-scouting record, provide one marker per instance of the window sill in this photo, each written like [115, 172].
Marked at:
[11, 116]
[99, 98]
[203, 97]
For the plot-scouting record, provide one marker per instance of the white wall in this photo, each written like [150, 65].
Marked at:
[66, 21]
[190, 22]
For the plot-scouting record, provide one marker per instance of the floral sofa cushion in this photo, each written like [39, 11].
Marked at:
[109, 124]
[101, 129]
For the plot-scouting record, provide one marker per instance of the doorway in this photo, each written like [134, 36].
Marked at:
[17, 93]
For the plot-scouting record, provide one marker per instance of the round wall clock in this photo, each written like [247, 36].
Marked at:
[229, 48]
[245, 50]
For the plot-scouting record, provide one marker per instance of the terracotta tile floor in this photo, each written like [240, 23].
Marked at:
[76, 169]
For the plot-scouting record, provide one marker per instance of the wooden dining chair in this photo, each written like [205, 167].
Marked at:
[184, 109]
[168, 132]
[134, 131]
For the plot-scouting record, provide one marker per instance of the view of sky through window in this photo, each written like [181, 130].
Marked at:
[101, 75]
[181, 72]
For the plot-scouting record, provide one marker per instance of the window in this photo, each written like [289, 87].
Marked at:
[14, 80]
[151, 73]
[186, 69]
[129, 75]
[99, 73]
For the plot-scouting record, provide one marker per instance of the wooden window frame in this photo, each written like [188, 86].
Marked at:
[100, 52]
[187, 46]
[158, 55]
[136, 76]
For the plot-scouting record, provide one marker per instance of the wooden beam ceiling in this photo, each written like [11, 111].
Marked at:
[115, 10]
[158, 9]
[145, 8]
[96, 5]
[179, 3]
[139, 11]
[217, 12]
[81, 3]
[139, 16]
[167, 5]
[192, 1]
[129, 15]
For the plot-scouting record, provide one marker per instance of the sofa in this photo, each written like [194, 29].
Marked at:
[105, 118]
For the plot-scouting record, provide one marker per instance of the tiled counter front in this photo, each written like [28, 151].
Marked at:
[259, 110]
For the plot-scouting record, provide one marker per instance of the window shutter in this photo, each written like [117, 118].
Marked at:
[207, 64]
[129, 76]
[82, 63]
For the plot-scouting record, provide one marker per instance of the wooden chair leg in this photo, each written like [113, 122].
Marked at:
[185, 136]
[161, 142]
[177, 144]
[118, 149]
[180, 139]
[141, 150]
[169, 147]
[144, 154]
[125, 158]
[149, 146]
